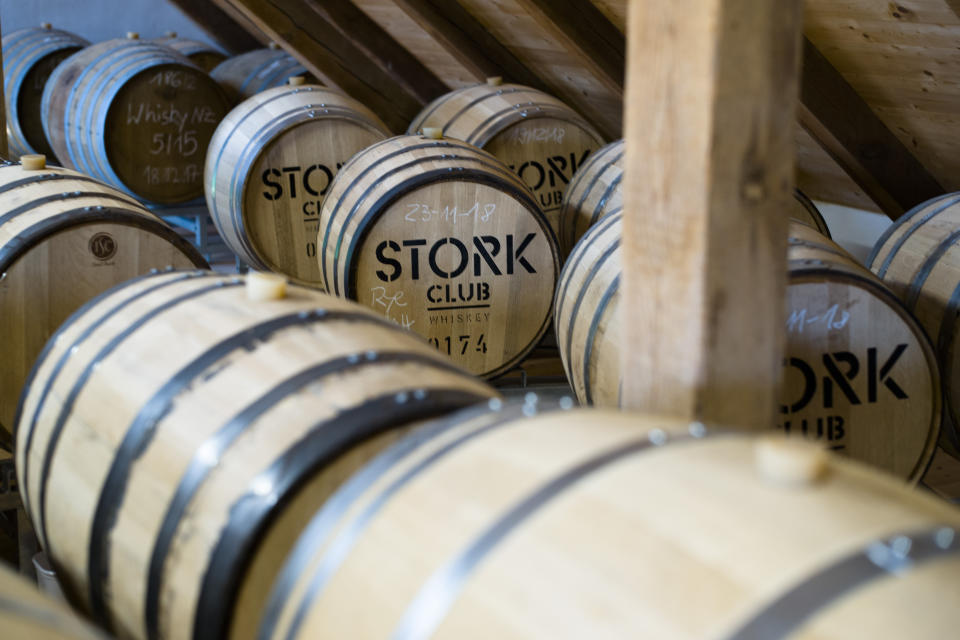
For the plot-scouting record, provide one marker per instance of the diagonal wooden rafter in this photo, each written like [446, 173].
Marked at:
[845, 126]
[231, 31]
[584, 29]
[382, 47]
[467, 40]
[322, 36]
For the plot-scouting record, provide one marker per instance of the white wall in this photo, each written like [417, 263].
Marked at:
[854, 230]
[98, 20]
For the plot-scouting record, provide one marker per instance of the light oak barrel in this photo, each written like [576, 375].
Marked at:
[64, 238]
[25, 613]
[230, 421]
[602, 524]
[269, 166]
[442, 238]
[859, 371]
[29, 57]
[539, 137]
[596, 190]
[135, 114]
[918, 258]
[250, 73]
[205, 56]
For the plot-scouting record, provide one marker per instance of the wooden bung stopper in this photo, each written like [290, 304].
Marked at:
[790, 462]
[133, 35]
[33, 162]
[495, 81]
[265, 286]
[296, 81]
[434, 133]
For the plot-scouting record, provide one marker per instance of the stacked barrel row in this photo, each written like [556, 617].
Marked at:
[277, 474]
[135, 114]
[206, 455]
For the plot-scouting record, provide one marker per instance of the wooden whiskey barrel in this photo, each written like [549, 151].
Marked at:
[137, 115]
[605, 525]
[250, 73]
[540, 138]
[444, 239]
[234, 411]
[916, 259]
[859, 372]
[805, 211]
[596, 190]
[64, 238]
[27, 613]
[29, 57]
[199, 53]
[269, 166]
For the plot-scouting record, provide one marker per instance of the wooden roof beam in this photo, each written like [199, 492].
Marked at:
[323, 37]
[231, 31]
[468, 41]
[585, 30]
[845, 126]
[466, 38]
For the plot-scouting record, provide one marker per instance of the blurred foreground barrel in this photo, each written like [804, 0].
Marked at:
[29, 57]
[269, 166]
[64, 238]
[235, 407]
[199, 53]
[137, 115]
[442, 238]
[250, 73]
[859, 371]
[27, 614]
[605, 525]
[540, 138]
[918, 258]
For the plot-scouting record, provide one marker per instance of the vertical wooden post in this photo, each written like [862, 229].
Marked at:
[710, 113]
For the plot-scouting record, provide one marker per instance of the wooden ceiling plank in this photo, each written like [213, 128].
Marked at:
[710, 108]
[327, 52]
[842, 122]
[231, 30]
[467, 40]
[954, 6]
[379, 45]
[584, 29]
